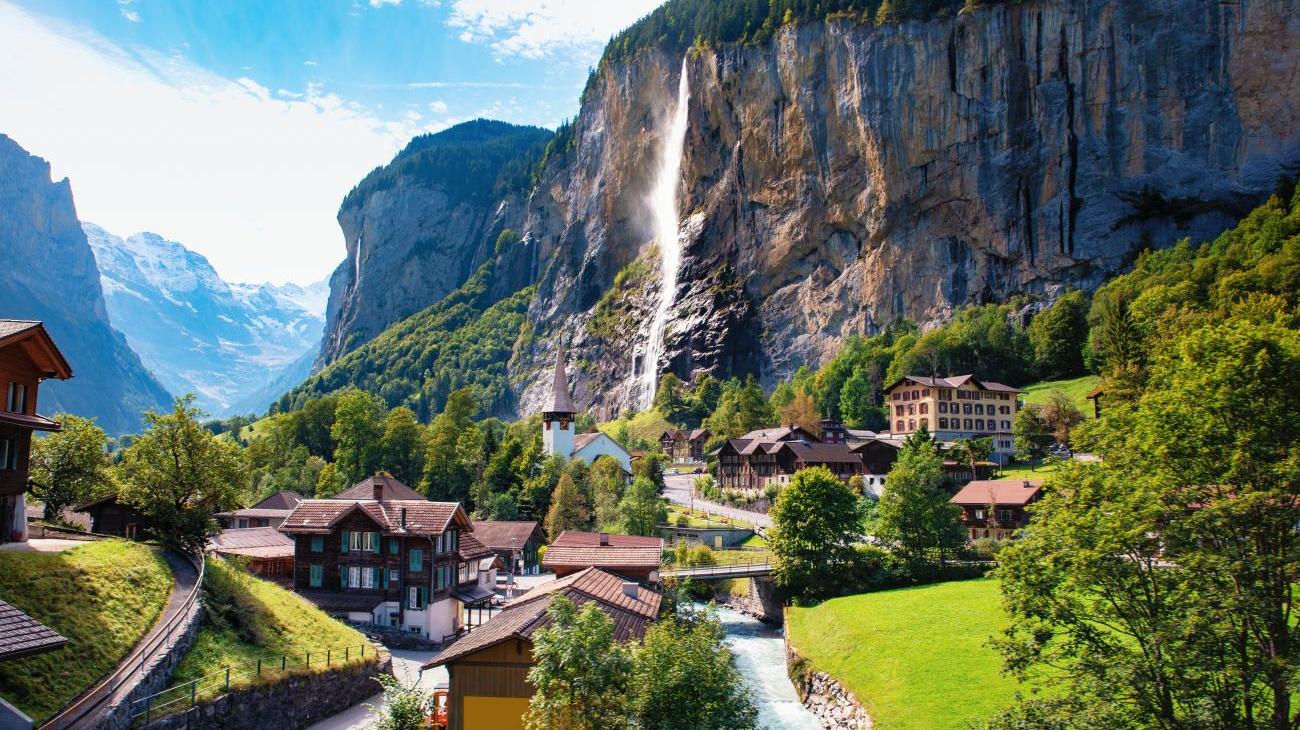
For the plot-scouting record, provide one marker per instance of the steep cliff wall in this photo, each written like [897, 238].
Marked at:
[43, 243]
[844, 175]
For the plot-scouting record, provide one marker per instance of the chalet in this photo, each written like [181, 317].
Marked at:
[267, 551]
[28, 356]
[631, 556]
[878, 456]
[772, 456]
[996, 508]
[515, 542]
[391, 561]
[269, 512]
[954, 409]
[22, 636]
[558, 416]
[108, 516]
[682, 445]
[488, 668]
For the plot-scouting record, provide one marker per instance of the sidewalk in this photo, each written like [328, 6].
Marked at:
[406, 665]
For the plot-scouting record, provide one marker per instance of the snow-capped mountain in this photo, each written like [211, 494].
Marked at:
[224, 342]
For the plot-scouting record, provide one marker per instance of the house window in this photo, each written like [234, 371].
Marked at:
[317, 545]
[354, 577]
[316, 576]
[979, 424]
[979, 409]
[17, 399]
[243, 522]
[8, 454]
[911, 424]
[898, 426]
[417, 598]
[367, 577]
[979, 514]
[965, 408]
[911, 409]
[394, 576]
[925, 408]
[393, 546]
[462, 575]
[898, 410]
[416, 560]
[968, 424]
[364, 541]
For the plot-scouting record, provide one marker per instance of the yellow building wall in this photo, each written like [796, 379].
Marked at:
[495, 713]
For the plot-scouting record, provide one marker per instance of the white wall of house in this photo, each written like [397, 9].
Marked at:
[603, 445]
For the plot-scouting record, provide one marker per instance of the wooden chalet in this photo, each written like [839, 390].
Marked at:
[269, 512]
[515, 542]
[28, 356]
[488, 668]
[631, 556]
[108, 516]
[388, 559]
[683, 445]
[996, 508]
[772, 456]
[267, 552]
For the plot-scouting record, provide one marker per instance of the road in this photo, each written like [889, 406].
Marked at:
[406, 665]
[678, 491]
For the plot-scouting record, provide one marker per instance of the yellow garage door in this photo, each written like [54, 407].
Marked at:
[495, 713]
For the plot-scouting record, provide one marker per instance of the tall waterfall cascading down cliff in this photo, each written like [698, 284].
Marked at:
[663, 205]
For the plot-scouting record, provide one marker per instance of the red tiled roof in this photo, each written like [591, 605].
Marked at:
[954, 381]
[318, 516]
[284, 499]
[392, 489]
[602, 557]
[470, 548]
[505, 535]
[253, 542]
[1009, 492]
[574, 538]
[523, 616]
[21, 635]
[255, 512]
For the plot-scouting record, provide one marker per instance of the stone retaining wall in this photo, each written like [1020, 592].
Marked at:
[291, 703]
[835, 707]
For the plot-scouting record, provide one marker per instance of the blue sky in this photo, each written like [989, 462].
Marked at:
[236, 126]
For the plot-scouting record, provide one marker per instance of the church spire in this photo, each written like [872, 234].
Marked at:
[560, 401]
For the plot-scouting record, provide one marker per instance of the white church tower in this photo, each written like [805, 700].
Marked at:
[557, 416]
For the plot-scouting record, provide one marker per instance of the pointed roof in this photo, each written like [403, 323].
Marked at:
[560, 401]
[37, 345]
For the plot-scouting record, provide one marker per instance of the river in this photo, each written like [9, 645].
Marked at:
[760, 657]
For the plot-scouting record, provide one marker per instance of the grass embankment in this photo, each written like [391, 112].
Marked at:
[915, 657]
[246, 619]
[104, 597]
[1075, 389]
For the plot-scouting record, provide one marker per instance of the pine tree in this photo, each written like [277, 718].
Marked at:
[568, 510]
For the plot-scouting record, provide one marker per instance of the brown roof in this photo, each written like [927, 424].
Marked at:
[33, 422]
[341, 601]
[255, 512]
[505, 535]
[38, 344]
[780, 433]
[470, 548]
[582, 440]
[954, 381]
[560, 401]
[602, 557]
[819, 453]
[574, 538]
[253, 542]
[698, 433]
[523, 616]
[284, 499]
[392, 489]
[21, 635]
[319, 516]
[1010, 492]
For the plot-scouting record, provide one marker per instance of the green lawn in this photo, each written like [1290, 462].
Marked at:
[1025, 471]
[1075, 389]
[250, 619]
[103, 596]
[915, 657]
[700, 518]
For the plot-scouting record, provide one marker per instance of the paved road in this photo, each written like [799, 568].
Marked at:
[406, 665]
[678, 491]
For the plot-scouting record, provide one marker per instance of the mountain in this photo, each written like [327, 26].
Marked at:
[417, 228]
[226, 343]
[49, 274]
[836, 175]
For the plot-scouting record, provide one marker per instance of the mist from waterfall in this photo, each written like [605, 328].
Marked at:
[663, 206]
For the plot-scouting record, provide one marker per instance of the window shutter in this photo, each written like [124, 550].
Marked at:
[343, 576]
[343, 545]
[375, 544]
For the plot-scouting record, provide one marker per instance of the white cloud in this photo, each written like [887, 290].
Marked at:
[249, 178]
[572, 30]
[438, 106]
[382, 3]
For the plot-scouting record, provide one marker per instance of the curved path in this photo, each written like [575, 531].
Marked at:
[87, 709]
[677, 488]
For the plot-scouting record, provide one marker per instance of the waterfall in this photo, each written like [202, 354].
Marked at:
[663, 207]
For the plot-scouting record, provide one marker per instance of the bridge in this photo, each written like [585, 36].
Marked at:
[719, 572]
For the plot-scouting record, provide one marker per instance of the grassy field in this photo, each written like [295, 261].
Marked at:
[103, 597]
[249, 619]
[1025, 471]
[915, 657]
[1075, 389]
[700, 518]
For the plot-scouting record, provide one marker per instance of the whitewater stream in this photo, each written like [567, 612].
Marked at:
[760, 657]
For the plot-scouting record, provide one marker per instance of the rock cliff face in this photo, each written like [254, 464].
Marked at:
[845, 175]
[49, 274]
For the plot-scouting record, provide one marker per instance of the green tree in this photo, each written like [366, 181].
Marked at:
[1159, 581]
[815, 523]
[1058, 334]
[672, 399]
[741, 408]
[889, 12]
[402, 447]
[581, 673]
[802, 411]
[568, 509]
[70, 465]
[914, 514]
[642, 508]
[972, 451]
[445, 478]
[651, 466]
[178, 475]
[855, 401]
[683, 676]
[1060, 415]
[357, 432]
[1032, 434]
[607, 485]
[403, 708]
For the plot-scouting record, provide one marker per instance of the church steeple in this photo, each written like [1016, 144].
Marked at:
[557, 415]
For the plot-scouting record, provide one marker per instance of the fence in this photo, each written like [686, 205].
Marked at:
[88, 705]
[188, 694]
